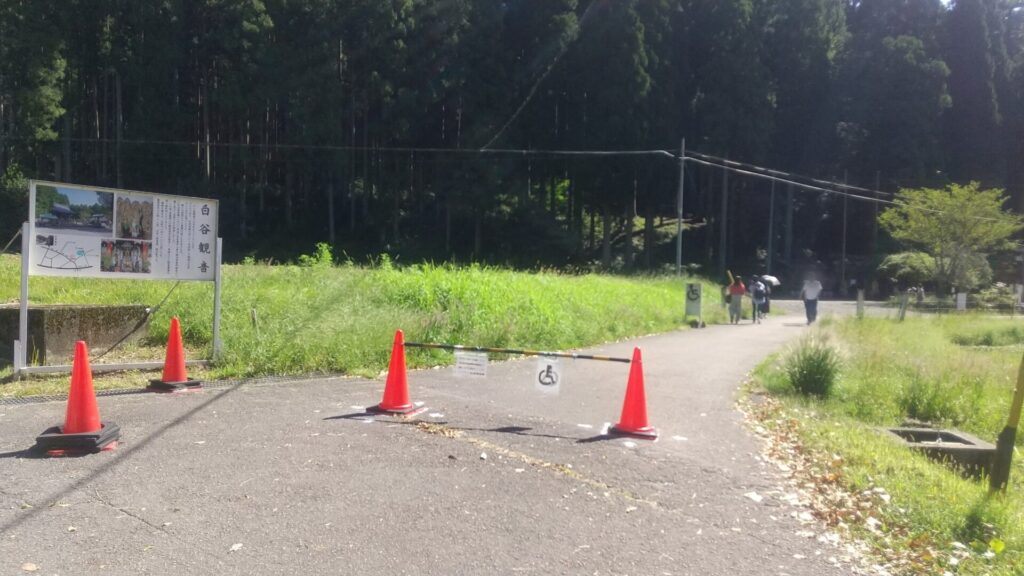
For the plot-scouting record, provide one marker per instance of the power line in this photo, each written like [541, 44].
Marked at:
[387, 149]
[780, 173]
[533, 89]
[793, 182]
[825, 190]
[691, 156]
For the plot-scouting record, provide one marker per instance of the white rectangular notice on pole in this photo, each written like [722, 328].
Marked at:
[470, 364]
[961, 301]
[85, 231]
[693, 299]
[549, 375]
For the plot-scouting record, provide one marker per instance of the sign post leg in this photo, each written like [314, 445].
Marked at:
[21, 359]
[217, 346]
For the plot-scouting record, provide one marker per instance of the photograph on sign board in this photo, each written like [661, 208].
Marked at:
[134, 217]
[125, 256]
[59, 253]
[72, 210]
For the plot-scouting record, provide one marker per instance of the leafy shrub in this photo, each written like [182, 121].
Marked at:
[812, 367]
[998, 295]
[908, 267]
[921, 400]
[14, 199]
[323, 258]
[990, 336]
[945, 400]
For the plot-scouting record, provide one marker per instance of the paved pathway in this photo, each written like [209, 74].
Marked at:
[294, 479]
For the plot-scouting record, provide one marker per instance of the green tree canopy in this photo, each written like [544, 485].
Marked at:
[959, 226]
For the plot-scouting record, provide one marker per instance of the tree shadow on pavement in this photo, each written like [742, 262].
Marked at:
[513, 430]
[359, 416]
[118, 457]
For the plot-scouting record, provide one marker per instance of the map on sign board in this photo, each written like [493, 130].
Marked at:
[549, 375]
[104, 233]
[470, 364]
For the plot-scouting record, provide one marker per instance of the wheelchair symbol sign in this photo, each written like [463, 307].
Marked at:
[693, 299]
[549, 375]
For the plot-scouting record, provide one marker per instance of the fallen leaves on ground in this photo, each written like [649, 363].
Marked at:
[817, 483]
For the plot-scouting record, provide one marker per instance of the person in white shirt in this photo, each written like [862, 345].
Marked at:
[809, 294]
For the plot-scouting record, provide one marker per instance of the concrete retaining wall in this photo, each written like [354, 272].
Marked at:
[53, 330]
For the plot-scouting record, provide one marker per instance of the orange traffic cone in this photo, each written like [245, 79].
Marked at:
[83, 432]
[175, 378]
[396, 389]
[633, 421]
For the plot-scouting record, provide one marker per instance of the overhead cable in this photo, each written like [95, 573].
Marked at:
[734, 163]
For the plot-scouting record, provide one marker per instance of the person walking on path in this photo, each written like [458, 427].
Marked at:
[759, 294]
[809, 293]
[736, 291]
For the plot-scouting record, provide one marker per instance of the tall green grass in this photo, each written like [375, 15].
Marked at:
[323, 318]
[812, 367]
[919, 371]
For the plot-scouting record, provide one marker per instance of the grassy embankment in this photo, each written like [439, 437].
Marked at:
[949, 371]
[321, 318]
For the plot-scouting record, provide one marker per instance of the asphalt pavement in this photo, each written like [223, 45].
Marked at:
[493, 477]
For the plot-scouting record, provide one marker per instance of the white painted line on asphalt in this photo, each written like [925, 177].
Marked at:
[585, 425]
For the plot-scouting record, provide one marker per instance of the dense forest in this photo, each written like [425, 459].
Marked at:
[405, 126]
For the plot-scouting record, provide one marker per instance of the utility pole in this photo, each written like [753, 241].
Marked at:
[771, 228]
[842, 264]
[723, 226]
[679, 209]
[788, 248]
[874, 221]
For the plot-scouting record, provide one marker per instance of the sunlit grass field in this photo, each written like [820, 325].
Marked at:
[946, 371]
[324, 318]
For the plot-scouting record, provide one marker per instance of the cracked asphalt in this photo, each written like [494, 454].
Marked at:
[493, 478]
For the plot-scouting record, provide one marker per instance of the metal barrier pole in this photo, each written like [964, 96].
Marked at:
[572, 355]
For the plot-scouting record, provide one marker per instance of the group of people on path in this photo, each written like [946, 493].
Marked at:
[760, 293]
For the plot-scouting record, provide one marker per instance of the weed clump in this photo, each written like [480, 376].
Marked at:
[989, 335]
[812, 367]
[322, 258]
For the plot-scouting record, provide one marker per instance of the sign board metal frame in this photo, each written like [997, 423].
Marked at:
[21, 365]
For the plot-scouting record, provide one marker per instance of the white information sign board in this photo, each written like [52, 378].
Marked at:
[86, 231]
[549, 375]
[470, 364]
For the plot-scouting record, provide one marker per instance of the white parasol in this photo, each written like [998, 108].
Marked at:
[771, 280]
